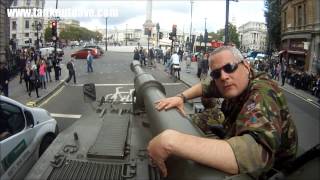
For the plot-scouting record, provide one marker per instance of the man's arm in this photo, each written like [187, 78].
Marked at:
[171, 102]
[211, 152]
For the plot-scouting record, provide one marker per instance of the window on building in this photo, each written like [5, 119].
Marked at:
[26, 24]
[37, 3]
[14, 25]
[26, 34]
[35, 34]
[284, 20]
[14, 36]
[300, 16]
[28, 2]
[15, 2]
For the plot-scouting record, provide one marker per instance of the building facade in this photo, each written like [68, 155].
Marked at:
[26, 30]
[300, 34]
[253, 36]
[4, 30]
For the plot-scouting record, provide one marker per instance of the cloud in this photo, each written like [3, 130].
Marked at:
[133, 13]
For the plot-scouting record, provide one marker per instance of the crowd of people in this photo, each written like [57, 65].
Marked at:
[299, 79]
[34, 69]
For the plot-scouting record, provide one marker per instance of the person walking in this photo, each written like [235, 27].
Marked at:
[27, 76]
[42, 73]
[89, 62]
[34, 80]
[49, 68]
[4, 79]
[72, 72]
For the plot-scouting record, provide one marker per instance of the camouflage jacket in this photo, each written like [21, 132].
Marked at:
[258, 125]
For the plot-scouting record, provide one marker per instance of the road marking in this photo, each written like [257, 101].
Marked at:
[53, 95]
[305, 99]
[74, 116]
[129, 84]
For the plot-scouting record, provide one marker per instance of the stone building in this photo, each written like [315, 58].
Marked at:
[300, 34]
[4, 30]
[253, 36]
[26, 30]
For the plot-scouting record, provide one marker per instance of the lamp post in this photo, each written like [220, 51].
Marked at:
[106, 34]
[126, 35]
[226, 29]
[38, 27]
[191, 48]
[205, 34]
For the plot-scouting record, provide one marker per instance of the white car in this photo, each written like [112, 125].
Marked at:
[25, 133]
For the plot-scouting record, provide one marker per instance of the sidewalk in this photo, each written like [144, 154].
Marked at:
[191, 79]
[19, 92]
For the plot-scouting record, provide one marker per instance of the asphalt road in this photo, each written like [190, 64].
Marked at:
[111, 74]
[113, 70]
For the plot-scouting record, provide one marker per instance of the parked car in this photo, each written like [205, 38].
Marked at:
[95, 46]
[25, 134]
[83, 53]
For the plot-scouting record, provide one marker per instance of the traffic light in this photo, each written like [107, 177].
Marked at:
[54, 28]
[174, 30]
[160, 35]
[171, 36]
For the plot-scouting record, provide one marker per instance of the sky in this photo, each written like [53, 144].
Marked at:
[132, 13]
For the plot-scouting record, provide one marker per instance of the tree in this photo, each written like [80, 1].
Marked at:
[233, 35]
[47, 34]
[273, 19]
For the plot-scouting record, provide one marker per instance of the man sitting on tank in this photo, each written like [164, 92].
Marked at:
[259, 131]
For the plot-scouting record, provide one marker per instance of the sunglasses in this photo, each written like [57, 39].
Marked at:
[228, 68]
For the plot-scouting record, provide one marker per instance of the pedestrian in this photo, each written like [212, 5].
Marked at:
[49, 68]
[199, 63]
[27, 76]
[42, 73]
[72, 71]
[283, 74]
[34, 80]
[89, 62]
[258, 132]
[22, 65]
[4, 79]
[56, 67]
[204, 67]
[136, 55]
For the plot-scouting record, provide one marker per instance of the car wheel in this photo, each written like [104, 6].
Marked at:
[45, 143]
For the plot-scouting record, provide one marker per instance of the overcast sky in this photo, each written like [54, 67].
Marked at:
[133, 13]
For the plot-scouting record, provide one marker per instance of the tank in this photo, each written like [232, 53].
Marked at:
[111, 142]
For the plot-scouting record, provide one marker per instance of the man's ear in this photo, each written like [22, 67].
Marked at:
[246, 65]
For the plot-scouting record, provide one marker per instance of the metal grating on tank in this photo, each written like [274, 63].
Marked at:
[110, 142]
[72, 169]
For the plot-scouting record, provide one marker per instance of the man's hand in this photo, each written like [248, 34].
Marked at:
[159, 149]
[171, 102]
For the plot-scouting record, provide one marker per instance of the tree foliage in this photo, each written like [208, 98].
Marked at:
[71, 33]
[233, 35]
[273, 18]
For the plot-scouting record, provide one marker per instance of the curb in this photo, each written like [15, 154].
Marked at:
[46, 96]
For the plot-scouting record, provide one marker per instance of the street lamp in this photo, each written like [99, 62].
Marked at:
[226, 30]
[126, 35]
[38, 27]
[205, 35]
[191, 48]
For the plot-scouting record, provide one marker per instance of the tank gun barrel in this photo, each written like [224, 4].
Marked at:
[147, 92]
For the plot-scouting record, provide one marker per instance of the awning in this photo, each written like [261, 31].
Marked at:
[282, 51]
[297, 52]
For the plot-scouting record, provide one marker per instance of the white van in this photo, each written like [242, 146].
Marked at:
[25, 133]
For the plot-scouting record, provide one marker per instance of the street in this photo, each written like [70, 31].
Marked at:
[113, 70]
[110, 71]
